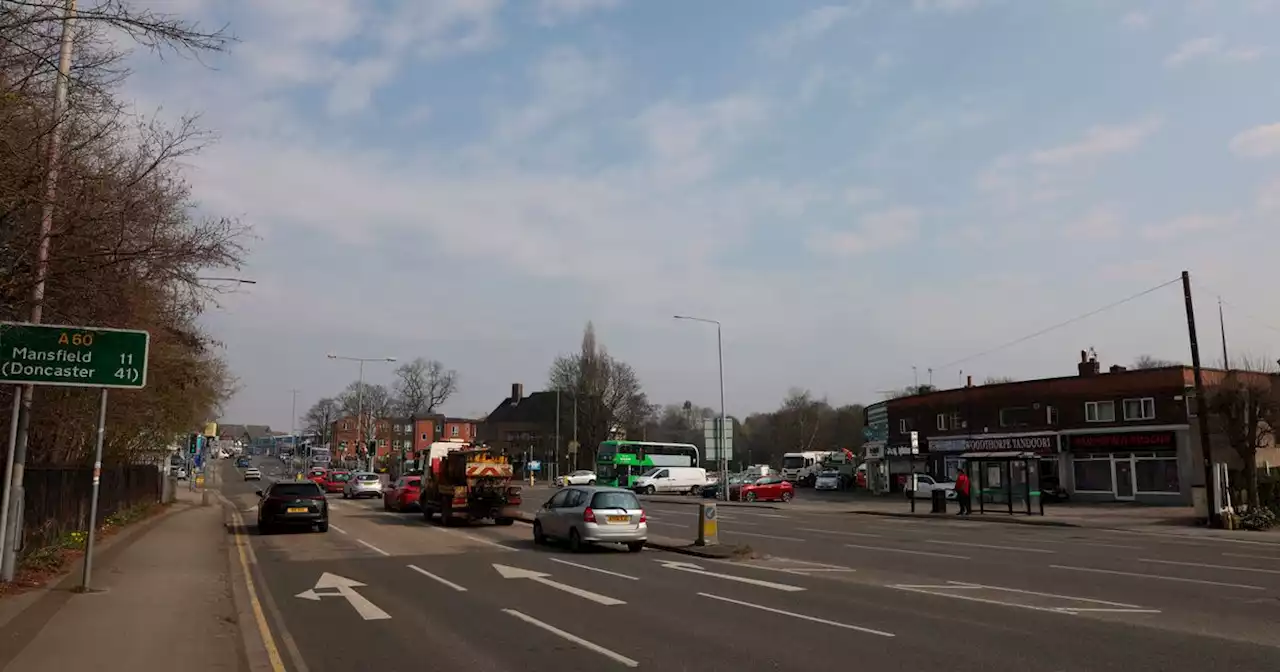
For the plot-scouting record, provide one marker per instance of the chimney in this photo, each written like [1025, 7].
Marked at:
[1116, 368]
[1088, 366]
[969, 381]
[517, 393]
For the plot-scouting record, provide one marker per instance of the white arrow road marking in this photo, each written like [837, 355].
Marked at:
[696, 569]
[508, 572]
[345, 588]
[803, 617]
[574, 638]
[595, 569]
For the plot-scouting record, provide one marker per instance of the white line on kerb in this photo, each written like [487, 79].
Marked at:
[903, 550]
[618, 657]
[371, 546]
[441, 579]
[594, 569]
[1157, 576]
[804, 617]
[337, 529]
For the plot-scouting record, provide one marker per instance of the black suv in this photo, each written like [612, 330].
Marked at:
[292, 503]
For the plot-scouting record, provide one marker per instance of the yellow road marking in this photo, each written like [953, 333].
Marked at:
[268, 642]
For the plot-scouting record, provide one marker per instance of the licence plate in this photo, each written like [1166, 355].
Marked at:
[297, 509]
[618, 519]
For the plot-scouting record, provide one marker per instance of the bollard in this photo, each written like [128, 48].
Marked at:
[708, 532]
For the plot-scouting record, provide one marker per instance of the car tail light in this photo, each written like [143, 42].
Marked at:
[643, 518]
[588, 516]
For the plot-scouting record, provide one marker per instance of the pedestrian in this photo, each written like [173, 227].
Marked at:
[962, 493]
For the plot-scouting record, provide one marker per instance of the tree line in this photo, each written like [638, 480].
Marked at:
[420, 387]
[127, 245]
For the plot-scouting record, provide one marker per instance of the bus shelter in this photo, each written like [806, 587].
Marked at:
[1008, 478]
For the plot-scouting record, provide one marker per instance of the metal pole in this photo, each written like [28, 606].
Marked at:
[206, 470]
[14, 493]
[360, 410]
[93, 498]
[8, 466]
[1202, 406]
[1222, 325]
[557, 445]
[724, 456]
[575, 432]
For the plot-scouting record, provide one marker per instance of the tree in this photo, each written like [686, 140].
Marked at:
[374, 400]
[1245, 409]
[423, 385]
[320, 417]
[1150, 362]
[606, 392]
[998, 380]
[910, 391]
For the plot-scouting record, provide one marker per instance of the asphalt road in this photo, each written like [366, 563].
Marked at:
[823, 590]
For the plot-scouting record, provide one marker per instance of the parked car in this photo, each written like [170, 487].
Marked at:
[690, 480]
[335, 480]
[180, 473]
[827, 480]
[252, 474]
[736, 481]
[316, 475]
[768, 488]
[292, 503]
[926, 484]
[403, 494]
[584, 515]
[580, 477]
[362, 485]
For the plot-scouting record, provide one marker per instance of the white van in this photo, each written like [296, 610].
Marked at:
[688, 480]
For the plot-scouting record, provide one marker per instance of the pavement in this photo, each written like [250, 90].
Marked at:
[821, 588]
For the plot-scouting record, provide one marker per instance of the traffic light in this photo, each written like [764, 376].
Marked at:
[193, 444]
[373, 447]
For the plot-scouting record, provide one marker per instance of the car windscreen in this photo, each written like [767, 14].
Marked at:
[412, 482]
[651, 472]
[295, 490]
[367, 477]
[614, 500]
[340, 477]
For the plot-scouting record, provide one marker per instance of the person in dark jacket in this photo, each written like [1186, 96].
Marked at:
[962, 493]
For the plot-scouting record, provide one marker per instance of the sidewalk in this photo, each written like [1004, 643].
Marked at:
[162, 602]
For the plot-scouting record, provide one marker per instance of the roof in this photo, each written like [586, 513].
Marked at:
[257, 431]
[537, 407]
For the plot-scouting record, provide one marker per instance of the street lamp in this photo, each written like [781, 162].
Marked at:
[360, 397]
[724, 456]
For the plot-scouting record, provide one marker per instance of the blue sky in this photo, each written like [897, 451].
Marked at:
[853, 189]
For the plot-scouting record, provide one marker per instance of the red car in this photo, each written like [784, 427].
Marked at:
[768, 488]
[335, 480]
[316, 476]
[403, 494]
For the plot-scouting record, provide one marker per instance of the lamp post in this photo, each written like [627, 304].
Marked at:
[724, 456]
[360, 397]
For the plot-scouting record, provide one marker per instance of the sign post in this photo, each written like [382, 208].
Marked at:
[67, 356]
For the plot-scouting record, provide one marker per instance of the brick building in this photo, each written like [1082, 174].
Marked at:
[346, 436]
[1118, 435]
[428, 429]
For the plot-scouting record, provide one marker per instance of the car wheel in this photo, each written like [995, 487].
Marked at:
[538, 537]
[786, 496]
[695, 491]
[323, 527]
[649, 490]
[751, 496]
[635, 546]
[575, 541]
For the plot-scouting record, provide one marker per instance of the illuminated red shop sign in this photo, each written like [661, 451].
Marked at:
[1127, 441]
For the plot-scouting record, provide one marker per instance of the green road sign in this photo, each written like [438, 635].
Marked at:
[54, 354]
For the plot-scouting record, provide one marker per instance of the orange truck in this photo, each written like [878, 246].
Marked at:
[470, 485]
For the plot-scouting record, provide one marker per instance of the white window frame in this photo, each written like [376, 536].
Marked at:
[1095, 406]
[1051, 416]
[1095, 458]
[902, 425]
[1190, 399]
[956, 421]
[942, 421]
[1152, 458]
[1144, 403]
[454, 431]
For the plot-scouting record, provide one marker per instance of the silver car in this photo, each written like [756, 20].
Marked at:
[589, 514]
[362, 485]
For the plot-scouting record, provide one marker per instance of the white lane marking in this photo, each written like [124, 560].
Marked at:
[595, 569]
[840, 532]
[345, 588]
[792, 614]
[763, 536]
[440, 579]
[472, 537]
[371, 547]
[695, 569]
[1020, 549]
[1157, 576]
[509, 572]
[1073, 542]
[1253, 557]
[966, 584]
[613, 655]
[1081, 610]
[335, 528]
[1070, 611]
[903, 550]
[1234, 568]
[762, 515]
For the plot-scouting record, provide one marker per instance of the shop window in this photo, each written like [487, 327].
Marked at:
[1100, 411]
[1140, 409]
[1093, 475]
[1158, 476]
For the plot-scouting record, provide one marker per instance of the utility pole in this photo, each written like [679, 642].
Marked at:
[557, 444]
[18, 451]
[293, 429]
[1222, 325]
[1202, 407]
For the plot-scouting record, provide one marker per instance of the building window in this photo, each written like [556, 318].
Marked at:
[942, 421]
[382, 443]
[1157, 476]
[1014, 417]
[1051, 416]
[454, 431]
[1093, 474]
[344, 425]
[1140, 409]
[956, 422]
[1100, 411]
[1192, 410]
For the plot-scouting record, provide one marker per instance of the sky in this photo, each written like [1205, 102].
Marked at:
[864, 194]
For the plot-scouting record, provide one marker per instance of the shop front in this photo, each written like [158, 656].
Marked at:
[1152, 467]
[888, 466]
[947, 455]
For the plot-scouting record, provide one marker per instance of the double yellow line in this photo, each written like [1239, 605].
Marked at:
[264, 630]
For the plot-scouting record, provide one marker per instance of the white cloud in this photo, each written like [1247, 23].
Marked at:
[687, 141]
[1097, 224]
[1187, 225]
[355, 84]
[944, 6]
[808, 27]
[1136, 20]
[551, 12]
[564, 81]
[875, 231]
[1257, 142]
[1098, 141]
[1212, 48]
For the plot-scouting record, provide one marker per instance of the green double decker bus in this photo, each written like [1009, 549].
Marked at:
[619, 463]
